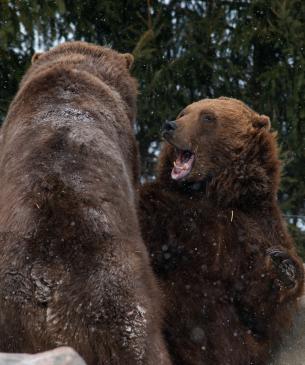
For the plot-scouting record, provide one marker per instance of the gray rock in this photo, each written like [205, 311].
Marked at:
[59, 356]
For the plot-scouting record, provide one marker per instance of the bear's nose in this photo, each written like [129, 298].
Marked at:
[169, 127]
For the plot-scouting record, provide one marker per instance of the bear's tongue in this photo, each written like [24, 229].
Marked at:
[182, 165]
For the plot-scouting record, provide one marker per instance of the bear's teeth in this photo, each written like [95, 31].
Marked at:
[178, 166]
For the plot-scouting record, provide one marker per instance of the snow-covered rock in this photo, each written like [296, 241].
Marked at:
[59, 356]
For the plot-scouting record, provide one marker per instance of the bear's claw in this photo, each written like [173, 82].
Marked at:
[284, 266]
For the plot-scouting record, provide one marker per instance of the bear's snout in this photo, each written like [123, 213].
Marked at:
[168, 128]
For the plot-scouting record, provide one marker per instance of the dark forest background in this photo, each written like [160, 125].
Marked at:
[184, 51]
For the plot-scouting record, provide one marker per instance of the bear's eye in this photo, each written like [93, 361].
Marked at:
[207, 118]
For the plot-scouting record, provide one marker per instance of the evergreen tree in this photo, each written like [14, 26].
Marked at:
[184, 51]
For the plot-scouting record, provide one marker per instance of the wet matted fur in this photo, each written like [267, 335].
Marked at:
[73, 267]
[217, 238]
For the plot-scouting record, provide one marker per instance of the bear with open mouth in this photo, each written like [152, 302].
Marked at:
[74, 269]
[216, 236]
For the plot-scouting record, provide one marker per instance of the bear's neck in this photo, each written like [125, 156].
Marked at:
[227, 189]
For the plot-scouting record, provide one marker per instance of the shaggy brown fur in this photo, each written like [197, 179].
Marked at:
[217, 238]
[73, 267]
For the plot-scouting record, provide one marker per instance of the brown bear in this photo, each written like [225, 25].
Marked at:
[216, 236]
[73, 267]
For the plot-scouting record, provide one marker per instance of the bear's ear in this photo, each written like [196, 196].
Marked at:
[129, 59]
[262, 121]
[36, 56]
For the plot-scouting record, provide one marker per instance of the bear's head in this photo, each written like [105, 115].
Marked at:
[104, 63]
[224, 146]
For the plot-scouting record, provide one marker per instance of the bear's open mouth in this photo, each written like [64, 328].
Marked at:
[183, 164]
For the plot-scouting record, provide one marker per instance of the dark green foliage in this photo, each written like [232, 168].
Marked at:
[184, 51]
[299, 238]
